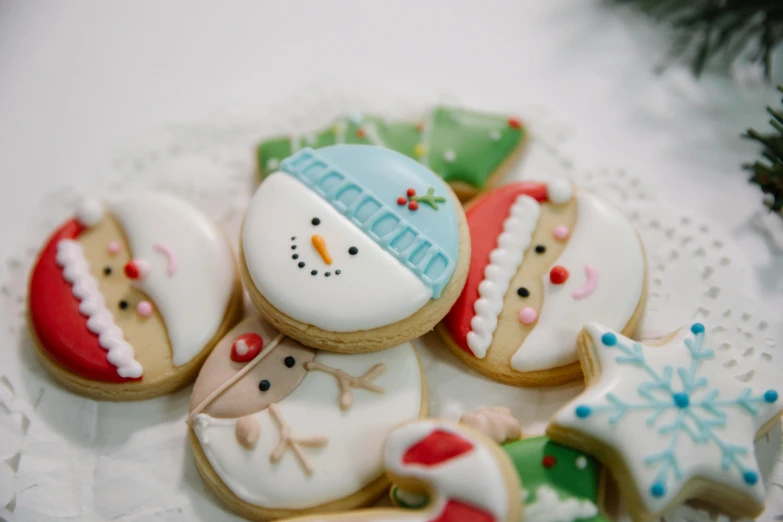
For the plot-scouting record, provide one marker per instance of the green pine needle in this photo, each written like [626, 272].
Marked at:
[768, 173]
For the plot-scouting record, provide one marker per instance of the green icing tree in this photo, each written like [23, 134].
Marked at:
[768, 173]
[460, 145]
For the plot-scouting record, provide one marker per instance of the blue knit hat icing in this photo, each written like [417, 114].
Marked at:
[364, 182]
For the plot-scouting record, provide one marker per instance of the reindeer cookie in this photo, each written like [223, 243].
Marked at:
[354, 248]
[126, 299]
[467, 475]
[279, 429]
[545, 259]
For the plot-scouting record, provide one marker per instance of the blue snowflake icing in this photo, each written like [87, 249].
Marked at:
[672, 390]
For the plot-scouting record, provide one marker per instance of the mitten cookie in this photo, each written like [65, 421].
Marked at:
[545, 259]
[354, 248]
[470, 150]
[126, 300]
[468, 476]
[279, 429]
[670, 422]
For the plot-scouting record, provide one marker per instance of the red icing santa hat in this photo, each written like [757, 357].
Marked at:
[501, 227]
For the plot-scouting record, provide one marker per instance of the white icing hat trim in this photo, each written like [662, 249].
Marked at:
[88, 212]
[505, 260]
[559, 191]
[548, 507]
[70, 256]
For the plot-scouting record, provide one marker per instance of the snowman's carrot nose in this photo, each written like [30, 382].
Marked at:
[320, 245]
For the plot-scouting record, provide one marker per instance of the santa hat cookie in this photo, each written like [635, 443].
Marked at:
[545, 259]
[127, 298]
[280, 429]
[354, 248]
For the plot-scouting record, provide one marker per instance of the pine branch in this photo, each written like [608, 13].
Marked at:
[769, 174]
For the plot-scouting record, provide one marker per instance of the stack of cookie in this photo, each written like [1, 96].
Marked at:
[316, 401]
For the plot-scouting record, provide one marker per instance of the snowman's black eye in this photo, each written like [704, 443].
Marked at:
[540, 249]
[107, 271]
[264, 385]
[315, 222]
[289, 362]
[353, 251]
[123, 304]
[523, 292]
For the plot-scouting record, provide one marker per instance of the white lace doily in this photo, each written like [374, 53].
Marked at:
[65, 457]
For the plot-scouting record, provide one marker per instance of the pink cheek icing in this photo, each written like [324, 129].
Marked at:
[591, 283]
[144, 308]
[171, 258]
[113, 247]
[561, 232]
[527, 315]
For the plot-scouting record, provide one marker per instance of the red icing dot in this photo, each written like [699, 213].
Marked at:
[246, 347]
[401, 201]
[548, 461]
[558, 275]
[514, 123]
[413, 205]
[420, 127]
[411, 192]
[361, 133]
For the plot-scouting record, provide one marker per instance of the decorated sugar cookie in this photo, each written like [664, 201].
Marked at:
[280, 429]
[354, 248]
[469, 477]
[545, 259]
[126, 299]
[669, 421]
[469, 149]
[559, 484]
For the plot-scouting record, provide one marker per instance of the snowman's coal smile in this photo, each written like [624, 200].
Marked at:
[297, 258]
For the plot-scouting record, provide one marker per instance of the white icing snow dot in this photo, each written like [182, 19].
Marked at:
[450, 155]
[495, 135]
[272, 163]
[89, 212]
[581, 462]
[560, 191]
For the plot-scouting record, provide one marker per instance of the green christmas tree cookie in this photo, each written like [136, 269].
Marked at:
[470, 150]
[560, 484]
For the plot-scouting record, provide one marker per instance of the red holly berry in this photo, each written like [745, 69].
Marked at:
[413, 205]
[558, 275]
[401, 201]
[361, 133]
[514, 123]
[420, 127]
[411, 192]
[548, 461]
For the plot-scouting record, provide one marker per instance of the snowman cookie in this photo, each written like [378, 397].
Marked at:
[545, 259]
[126, 299]
[279, 429]
[468, 476]
[354, 248]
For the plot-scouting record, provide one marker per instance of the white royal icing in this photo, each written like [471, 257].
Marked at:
[505, 260]
[559, 191]
[605, 239]
[548, 507]
[474, 478]
[672, 413]
[76, 270]
[373, 288]
[88, 212]
[192, 301]
[352, 455]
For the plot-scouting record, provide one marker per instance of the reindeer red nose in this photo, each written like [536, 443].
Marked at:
[558, 275]
[136, 269]
[246, 347]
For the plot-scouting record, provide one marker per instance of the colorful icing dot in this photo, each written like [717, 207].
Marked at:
[581, 462]
[697, 328]
[401, 201]
[113, 247]
[750, 477]
[272, 163]
[583, 411]
[681, 400]
[144, 308]
[413, 205]
[658, 490]
[548, 461]
[609, 339]
[361, 133]
[420, 150]
[420, 127]
[527, 315]
[410, 192]
[770, 396]
[449, 155]
[494, 135]
[560, 232]
[355, 117]
[558, 275]
[514, 123]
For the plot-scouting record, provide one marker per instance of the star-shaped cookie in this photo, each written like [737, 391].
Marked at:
[669, 421]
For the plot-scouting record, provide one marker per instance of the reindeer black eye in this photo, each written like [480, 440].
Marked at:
[107, 271]
[264, 385]
[540, 249]
[123, 304]
[523, 292]
[289, 362]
